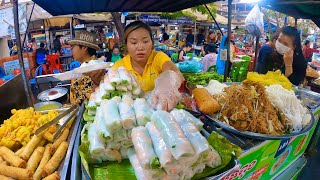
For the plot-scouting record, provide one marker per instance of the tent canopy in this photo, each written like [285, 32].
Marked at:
[63, 7]
[295, 8]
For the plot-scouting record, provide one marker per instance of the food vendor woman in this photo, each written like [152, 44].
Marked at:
[288, 56]
[146, 64]
[84, 47]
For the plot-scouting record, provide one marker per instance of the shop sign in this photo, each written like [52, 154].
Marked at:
[161, 20]
[79, 26]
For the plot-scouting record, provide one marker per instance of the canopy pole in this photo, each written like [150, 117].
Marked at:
[226, 67]
[71, 28]
[256, 52]
[295, 22]
[214, 19]
[25, 35]
[23, 72]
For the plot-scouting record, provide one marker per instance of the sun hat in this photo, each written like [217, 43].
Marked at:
[85, 38]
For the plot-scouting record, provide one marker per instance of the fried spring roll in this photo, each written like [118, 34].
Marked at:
[30, 147]
[42, 143]
[10, 157]
[48, 136]
[63, 136]
[2, 161]
[205, 102]
[35, 159]
[19, 151]
[45, 158]
[54, 162]
[54, 176]
[14, 172]
[5, 178]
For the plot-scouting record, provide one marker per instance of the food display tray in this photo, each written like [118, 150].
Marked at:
[78, 171]
[64, 166]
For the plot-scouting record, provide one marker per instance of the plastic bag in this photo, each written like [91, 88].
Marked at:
[254, 21]
[192, 66]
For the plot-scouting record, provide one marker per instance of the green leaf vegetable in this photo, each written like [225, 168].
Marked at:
[203, 78]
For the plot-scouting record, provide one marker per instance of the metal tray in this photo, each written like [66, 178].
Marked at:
[78, 171]
[308, 98]
[63, 168]
[258, 135]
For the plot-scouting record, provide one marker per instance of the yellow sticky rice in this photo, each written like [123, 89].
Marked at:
[270, 78]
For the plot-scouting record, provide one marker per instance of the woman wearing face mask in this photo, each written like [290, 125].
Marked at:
[147, 65]
[288, 56]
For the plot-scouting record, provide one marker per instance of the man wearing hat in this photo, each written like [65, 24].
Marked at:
[84, 48]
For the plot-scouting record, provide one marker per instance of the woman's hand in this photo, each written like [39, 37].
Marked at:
[166, 95]
[96, 76]
[288, 58]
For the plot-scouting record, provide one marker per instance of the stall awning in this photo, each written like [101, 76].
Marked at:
[295, 8]
[63, 7]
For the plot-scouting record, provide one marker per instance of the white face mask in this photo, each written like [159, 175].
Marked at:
[281, 49]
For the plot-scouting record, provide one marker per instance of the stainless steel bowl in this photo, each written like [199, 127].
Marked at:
[40, 104]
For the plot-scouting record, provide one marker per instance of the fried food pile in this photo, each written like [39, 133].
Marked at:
[18, 129]
[247, 108]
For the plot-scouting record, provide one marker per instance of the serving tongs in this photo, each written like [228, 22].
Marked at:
[60, 121]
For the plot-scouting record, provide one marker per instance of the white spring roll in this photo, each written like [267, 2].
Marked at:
[198, 123]
[98, 98]
[143, 146]
[120, 135]
[124, 76]
[114, 77]
[138, 169]
[122, 88]
[129, 87]
[198, 142]
[136, 89]
[117, 99]
[91, 112]
[172, 134]
[128, 117]
[168, 163]
[143, 111]
[186, 174]
[127, 97]
[96, 148]
[129, 132]
[99, 120]
[212, 158]
[126, 143]
[92, 101]
[111, 114]
[108, 86]
[159, 145]
[198, 169]
[141, 172]
[113, 145]
[124, 152]
[113, 155]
